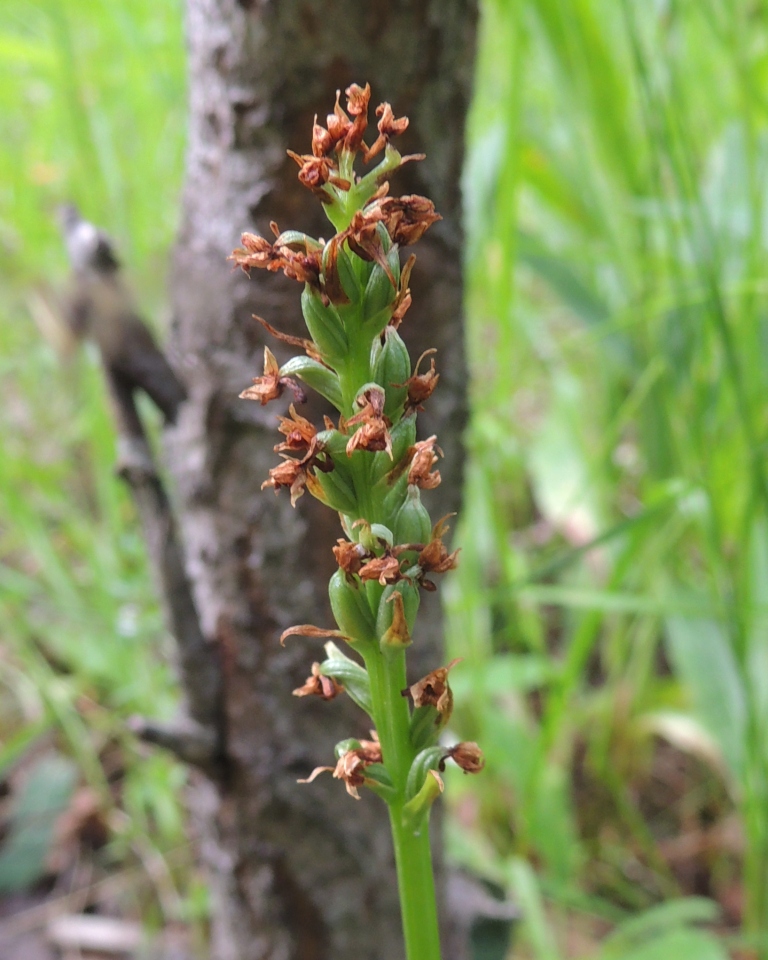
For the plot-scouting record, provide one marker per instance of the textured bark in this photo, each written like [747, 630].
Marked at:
[299, 872]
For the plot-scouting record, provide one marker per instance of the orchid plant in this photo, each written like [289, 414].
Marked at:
[370, 468]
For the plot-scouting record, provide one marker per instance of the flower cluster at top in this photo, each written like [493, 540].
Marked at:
[367, 464]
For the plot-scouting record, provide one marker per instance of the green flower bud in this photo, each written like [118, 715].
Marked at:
[347, 274]
[412, 521]
[416, 811]
[350, 607]
[373, 535]
[427, 723]
[387, 609]
[396, 492]
[378, 297]
[297, 239]
[324, 326]
[335, 444]
[403, 436]
[426, 760]
[351, 675]
[317, 376]
[346, 746]
[393, 366]
[333, 490]
[377, 773]
[378, 780]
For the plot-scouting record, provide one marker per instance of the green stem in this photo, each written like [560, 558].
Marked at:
[416, 886]
[390, 713]
[413, 857]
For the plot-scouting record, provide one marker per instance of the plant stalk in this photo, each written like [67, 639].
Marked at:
[413, 857]
[416, 885]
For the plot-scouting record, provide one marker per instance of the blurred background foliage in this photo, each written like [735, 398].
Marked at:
[611, 604]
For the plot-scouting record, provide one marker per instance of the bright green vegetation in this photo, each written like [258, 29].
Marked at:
[610, 602]
[83, 117]
[613, 584]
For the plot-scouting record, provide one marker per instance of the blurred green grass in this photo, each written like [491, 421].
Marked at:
[611, 599]
[83, 118]
[615, 523]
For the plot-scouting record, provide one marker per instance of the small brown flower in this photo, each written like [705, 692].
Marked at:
[385, 569]
[298, 264]
[317, 685]
[358, 99]
[255, 252]
[373, 431]
[338, 122]
[401, 307]
[372, 435]
[351, 766]
[422, 461]
[433, 690]
[364, 240]
[298, 474]
[468, 756]
[303, 267]
[403, 299]
[299, 432]
[291, 474]
[388, 127]
[434, 558]
[315, 172]
[407, 218]
[420, 386]
[322, 141]
[270, 385]
[350, 556]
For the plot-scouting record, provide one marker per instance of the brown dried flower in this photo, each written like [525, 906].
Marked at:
[315, 172]
[385, 569]
[407, 218]
[338, 122]
[398, 634]
[302, 265]
[403, 299]
[350, 556]
[468, 756]
[420, 386]
[309, 630]
[422, 461]
[317, 685]
[433, 690]
[351, 766]
[435, 558]
[388, 127]
[358, 99]
[299, 432]
[373, 432]
[270, 385]
[322, 141]
[291, 474]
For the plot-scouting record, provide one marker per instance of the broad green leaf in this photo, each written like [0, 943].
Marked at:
[703, 659]
[43, 797]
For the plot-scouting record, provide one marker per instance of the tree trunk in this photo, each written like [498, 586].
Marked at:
[298, 872]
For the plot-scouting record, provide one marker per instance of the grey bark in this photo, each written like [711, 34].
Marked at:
[298, 872]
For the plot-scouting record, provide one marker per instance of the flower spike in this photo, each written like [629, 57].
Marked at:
[366, 463]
